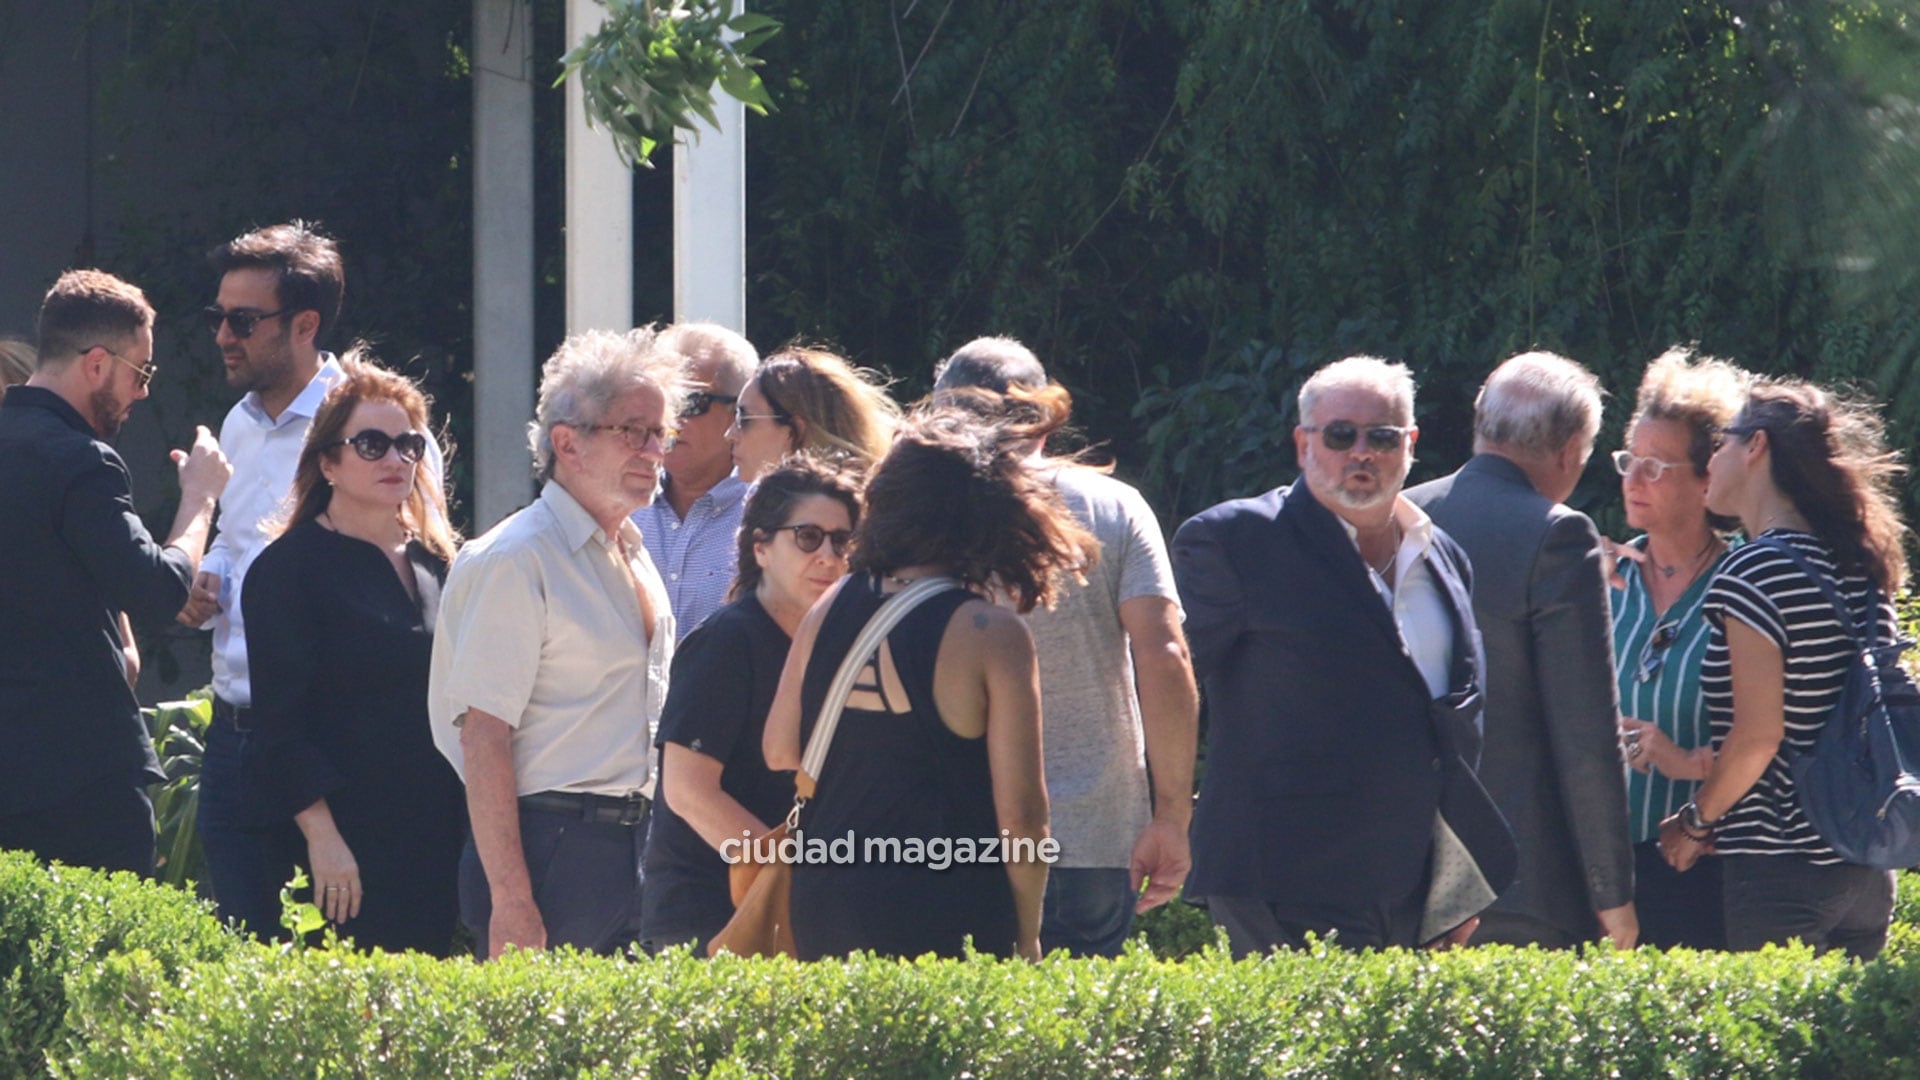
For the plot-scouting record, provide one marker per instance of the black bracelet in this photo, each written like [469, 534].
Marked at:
[1691, 822]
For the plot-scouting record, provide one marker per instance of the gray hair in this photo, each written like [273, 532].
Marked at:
[734, 357]
[1534, 403]
[1389, 379]
[991, 363]
[587, 372]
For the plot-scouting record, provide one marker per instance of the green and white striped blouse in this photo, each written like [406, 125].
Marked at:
[1657, 659]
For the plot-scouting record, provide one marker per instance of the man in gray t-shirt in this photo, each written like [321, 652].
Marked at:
[1118, 631]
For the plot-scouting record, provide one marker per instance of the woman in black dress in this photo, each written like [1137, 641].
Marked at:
[340, 613]
[938, 747]
[714, 785]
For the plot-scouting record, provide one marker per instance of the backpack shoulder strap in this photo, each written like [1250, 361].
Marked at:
[1831, 592]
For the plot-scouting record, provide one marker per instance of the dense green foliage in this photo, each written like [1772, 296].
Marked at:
[1186, 205]
[117, 978]
[55, 924]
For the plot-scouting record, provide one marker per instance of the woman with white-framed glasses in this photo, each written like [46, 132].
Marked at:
[1660, 631]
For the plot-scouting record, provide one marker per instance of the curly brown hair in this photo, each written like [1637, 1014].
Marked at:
[773, 499]
[955, 491]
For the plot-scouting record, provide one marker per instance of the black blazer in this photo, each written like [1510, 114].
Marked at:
[1323, 770]
[75, 556]
[1552, 758]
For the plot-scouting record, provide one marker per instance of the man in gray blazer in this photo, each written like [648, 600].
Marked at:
[1551, 757]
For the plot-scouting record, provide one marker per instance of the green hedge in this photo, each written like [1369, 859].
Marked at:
[59, 922]
[121, 979]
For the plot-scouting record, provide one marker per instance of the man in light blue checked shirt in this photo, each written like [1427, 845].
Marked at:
[689, 527]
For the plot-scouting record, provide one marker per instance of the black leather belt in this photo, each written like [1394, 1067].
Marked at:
[237, 717]
[598, 809]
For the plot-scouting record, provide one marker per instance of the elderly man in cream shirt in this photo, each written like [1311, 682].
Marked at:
[550, 661]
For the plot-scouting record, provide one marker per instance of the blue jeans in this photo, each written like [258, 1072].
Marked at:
[247, 863]
[586, 882]
[1087, 911]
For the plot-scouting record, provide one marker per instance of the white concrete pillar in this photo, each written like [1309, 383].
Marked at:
[710, 218]
[504, 363]
[599, 222]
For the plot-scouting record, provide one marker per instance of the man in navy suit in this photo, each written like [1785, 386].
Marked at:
[1332, 627]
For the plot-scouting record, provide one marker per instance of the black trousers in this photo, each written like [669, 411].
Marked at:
[1771, 898]
[1677, 909]
[107, 825]
[1258, 926]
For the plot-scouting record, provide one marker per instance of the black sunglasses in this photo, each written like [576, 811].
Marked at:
[373, 444]
[700, 401]
[1655, 654]
[808, 538]
[1341, 435]
[242, 320]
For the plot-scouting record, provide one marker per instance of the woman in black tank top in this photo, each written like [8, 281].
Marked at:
[930, 815]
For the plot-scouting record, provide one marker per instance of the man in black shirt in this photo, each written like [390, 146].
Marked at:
[76, 556]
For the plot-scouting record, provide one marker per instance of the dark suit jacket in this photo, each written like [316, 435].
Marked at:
[1551, 758]
[76, 555]
[1322, 768]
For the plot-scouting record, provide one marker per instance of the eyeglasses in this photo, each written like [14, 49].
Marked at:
[742, 419]
[808, 538]
[1730, 431]
[142, 372]
[1645, 468]
[373, 444]
[700, 401]
[240, 319]
[1341, 435]
[637, 437]
[1654, 655]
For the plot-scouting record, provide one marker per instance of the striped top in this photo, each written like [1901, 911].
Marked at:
[1660, 683]
[1763, 588]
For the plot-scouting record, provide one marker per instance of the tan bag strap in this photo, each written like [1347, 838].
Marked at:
[888, 616]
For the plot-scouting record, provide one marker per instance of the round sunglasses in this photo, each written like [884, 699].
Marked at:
[373, 444]
[808, 538]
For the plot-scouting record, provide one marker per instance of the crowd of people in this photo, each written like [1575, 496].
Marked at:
[1442, 715]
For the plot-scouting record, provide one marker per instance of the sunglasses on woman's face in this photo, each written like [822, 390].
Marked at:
[373, 444]
[1340, 436]
[808, 538]
[700, 401]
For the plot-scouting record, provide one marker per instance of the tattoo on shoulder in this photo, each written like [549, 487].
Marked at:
[980, 620]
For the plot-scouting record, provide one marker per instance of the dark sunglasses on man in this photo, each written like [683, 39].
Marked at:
[700, 401]
[373, 444]
[808, 538]
[1340, 436]
[240, 319]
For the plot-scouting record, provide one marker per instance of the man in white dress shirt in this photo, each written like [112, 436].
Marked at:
[280, 293]
[550, 660]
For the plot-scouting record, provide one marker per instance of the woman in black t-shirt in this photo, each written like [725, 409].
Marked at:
[1803, 469]
[714, 785]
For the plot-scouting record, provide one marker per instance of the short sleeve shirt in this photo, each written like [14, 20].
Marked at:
[1095, 744]
[724, 677]
[1661, 683]
[1762, 587]
[539, 625]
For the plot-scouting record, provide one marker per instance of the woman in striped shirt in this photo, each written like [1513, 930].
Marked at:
[1800, 467]
[1660, 630]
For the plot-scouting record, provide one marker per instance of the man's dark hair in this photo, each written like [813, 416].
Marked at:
[990, 363]
[307, 262]
[87, 308]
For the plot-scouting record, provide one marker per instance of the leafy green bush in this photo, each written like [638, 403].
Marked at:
[56, 922]
[1483, 1012]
